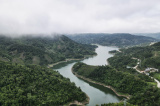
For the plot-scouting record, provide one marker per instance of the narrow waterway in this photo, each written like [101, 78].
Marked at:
[97, 93]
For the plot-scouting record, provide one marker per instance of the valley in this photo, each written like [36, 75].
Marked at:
[110, 73]
[79, 53]
[126, 64]
[98, 94]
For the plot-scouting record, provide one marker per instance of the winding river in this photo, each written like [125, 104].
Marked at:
[97, 93]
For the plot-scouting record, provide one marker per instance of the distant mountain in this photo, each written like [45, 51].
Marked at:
[41, 50]
[117, 39]
[153, 35]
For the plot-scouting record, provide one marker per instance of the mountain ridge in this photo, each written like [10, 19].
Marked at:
[42, 50]
[115, 39]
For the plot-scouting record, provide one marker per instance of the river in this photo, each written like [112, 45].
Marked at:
[97, 93]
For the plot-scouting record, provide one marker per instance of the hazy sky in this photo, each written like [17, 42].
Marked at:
[79, 16]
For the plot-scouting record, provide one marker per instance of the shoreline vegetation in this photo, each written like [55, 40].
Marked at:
[67, 60]
[86, 101]
[110, 87]
[51, 65]
[33, 85]
[83, 103]
[87, 79]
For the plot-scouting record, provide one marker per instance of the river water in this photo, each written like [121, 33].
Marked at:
[97, 93]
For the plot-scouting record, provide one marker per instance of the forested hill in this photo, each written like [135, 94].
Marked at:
[117, 39]
[149, 58]
[24, 84]
[33, 85]
[41, 50]
[141, 87]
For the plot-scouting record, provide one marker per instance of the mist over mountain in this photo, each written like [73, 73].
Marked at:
[153, 35]
[91, 16]
[38, 35]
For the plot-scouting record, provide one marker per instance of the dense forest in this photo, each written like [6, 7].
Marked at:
[32, 85]
[141, 87]
[117, 39]
[23, 82]
[41, 50]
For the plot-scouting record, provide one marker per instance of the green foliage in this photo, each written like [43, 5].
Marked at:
[113, 51]
[34, 85]
[140, 86]
[122, 61]
[156, 75]
[46, 49]
[150, 97]
[122, 82]
[149, 55]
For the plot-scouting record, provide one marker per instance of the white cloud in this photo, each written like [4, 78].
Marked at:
[79, 16]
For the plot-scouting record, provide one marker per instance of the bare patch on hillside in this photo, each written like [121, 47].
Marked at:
[48, 58]
[17, 60]
[4, 59]
[36, 60]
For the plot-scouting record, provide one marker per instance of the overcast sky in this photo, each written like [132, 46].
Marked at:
[79, 16]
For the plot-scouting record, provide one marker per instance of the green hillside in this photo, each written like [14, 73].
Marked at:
[121, 81]
[41, 50]
[33, 85]
[149, 58]
[141, 88]
[122, 76]
[149, 55]
[23, 83]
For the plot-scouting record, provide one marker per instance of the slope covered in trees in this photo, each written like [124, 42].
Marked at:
[122, 81]
[28, 84]
[149, 57]
[117, 39]
[41, 50]
[34, 85]
[135, 84]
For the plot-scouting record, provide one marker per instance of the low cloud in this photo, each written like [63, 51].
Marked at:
[79, 16]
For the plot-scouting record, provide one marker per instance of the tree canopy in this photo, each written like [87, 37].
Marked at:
[34, 85]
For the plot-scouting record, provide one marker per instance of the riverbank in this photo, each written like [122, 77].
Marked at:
[51, 65]
[97, 93]
[89, 80]
[83, 103]
[67, 60]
